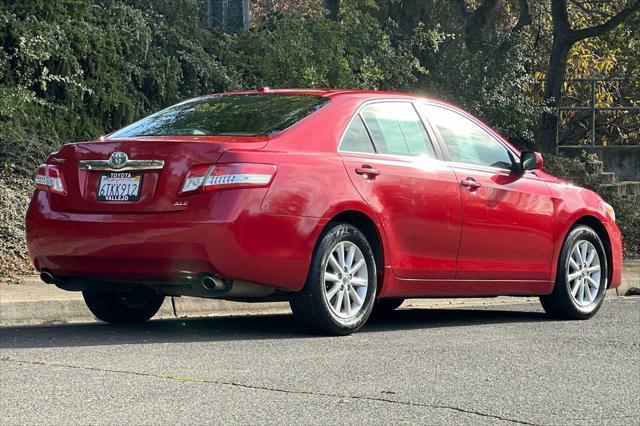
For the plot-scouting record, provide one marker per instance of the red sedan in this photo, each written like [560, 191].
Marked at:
[339, 201]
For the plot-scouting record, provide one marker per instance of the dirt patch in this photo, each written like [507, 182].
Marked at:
[15, 193]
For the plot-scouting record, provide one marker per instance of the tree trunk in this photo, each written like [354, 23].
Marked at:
[548, 126]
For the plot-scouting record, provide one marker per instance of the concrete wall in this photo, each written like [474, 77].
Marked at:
[623, 160]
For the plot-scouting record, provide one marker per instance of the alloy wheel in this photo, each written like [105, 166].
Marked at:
[583, 273]
[345, 280]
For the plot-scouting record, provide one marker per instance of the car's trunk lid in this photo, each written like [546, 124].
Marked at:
[159, 164]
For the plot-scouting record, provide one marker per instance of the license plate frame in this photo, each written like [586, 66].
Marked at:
[123, 187]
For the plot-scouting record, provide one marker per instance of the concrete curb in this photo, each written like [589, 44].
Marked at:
[33, 303]
[630, 277]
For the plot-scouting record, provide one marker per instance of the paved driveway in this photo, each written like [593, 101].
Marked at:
[505, 364]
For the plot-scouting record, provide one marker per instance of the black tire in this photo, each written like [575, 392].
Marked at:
[310, 305]
[134, 306]
[561, 304]
[384, 307]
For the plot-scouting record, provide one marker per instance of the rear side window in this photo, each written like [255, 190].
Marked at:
[356, 138]
[238, 115]
[397, 129]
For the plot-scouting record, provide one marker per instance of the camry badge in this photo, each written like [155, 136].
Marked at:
[118, 159]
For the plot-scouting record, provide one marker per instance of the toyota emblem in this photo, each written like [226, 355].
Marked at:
[118, 159]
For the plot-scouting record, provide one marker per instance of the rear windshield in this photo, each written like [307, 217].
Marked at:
[233, 115]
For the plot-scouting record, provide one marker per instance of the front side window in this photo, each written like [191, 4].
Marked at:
[227, 115]
[397, 129]
[465, 141]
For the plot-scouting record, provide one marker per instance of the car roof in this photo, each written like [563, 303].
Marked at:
[333, 93]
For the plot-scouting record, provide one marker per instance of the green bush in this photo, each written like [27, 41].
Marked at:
[73, 69]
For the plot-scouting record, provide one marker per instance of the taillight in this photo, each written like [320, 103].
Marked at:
[228, 176]
[49, 178]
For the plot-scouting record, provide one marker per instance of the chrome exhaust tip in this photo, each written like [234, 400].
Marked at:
[47, 277]
[210, 282]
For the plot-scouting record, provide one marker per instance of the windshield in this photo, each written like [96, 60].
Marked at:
[237, 115]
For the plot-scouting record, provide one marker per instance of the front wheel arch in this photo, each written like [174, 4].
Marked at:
[598, 227]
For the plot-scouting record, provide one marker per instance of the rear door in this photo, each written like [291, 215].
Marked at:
[393, 165]
[507, 231]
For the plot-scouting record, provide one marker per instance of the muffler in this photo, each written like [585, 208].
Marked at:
[47, 277]
[209, 282]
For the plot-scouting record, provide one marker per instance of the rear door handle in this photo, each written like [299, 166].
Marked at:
[470, 183]
[366, 169]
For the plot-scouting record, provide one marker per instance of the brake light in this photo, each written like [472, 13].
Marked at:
[228, 176]
[50, 179]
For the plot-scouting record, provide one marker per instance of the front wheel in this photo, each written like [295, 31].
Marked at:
[581, 282]
[340, 290]
[134, 306]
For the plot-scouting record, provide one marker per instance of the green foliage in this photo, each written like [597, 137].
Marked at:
[492, 82]
[74, 69]
[298, 51]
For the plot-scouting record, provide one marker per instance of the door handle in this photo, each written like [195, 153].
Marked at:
[470, 183]
[367, 170]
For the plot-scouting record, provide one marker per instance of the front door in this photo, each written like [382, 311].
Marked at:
[392, 163]
[507, 231]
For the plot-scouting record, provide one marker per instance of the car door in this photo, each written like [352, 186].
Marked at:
[393, 165]
[507, 231]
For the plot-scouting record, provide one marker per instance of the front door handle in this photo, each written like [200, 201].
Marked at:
[470, 183]
[367, 170]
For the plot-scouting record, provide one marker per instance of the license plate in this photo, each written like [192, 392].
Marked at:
[119, 186]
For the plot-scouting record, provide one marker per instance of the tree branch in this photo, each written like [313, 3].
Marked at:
[524, 18]
[604, 28]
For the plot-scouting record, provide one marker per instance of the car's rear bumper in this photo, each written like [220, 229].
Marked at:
[238, 244]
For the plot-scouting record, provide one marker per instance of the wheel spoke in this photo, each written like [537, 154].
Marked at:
[341, 260]
[347, 302]
[575, 288]
[583, 252]
[328, 276]
[591, 253]
[334, 263]
[587, 292]
[332, 292]
[581, 293]
[592, 282]
[573, 276]
[359, 264]
[575, 254]
[592, 269]
[338, 302]
[359, 282]
[356, 296]
[573, 263]
[351, 252]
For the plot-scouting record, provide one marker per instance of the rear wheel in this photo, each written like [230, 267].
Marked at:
[581, 281]
[134, 306]
[339, 293]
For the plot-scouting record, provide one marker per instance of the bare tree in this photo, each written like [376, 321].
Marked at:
[564, 37]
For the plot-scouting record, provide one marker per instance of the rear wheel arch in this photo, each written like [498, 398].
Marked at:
[370, 230]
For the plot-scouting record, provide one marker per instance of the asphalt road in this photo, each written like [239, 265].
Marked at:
[506, 364]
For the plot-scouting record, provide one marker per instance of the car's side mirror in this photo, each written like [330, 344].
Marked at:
[530, 160]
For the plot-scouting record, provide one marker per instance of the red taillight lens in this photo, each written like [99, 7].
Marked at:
[228, 176]
[50, 179]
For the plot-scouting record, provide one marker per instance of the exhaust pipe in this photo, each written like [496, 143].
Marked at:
[46, 277]
[210, 282]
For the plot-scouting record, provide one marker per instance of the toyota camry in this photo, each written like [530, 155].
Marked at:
[341, 202]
